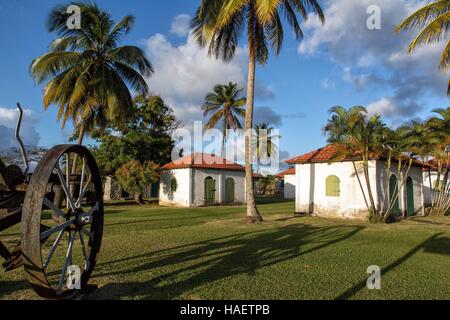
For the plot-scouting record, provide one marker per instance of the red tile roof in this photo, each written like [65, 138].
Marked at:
[317, 156]
[290, 171]
[203, 161]
[434, 163]
[327, 153]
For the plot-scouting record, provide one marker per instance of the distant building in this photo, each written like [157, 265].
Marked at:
[332, 189]
[288, 181]
[202, 180]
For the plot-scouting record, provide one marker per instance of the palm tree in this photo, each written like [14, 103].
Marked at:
[440, 126]
[360, 138]
[89, 76]
[263, 144]
[219, 24]
[225, 104]
[433, 21]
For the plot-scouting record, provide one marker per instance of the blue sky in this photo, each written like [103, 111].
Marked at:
[342, 63]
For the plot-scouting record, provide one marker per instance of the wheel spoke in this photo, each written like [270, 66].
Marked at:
[66, 262]
[83, 248]
[48, 233]
[68, 244]
[81, 195]
[67, 170]
[64, 186]
[54, 208]
[93, 209]
[53, 248]
[68, 178]
[89, 234]
[83, 192]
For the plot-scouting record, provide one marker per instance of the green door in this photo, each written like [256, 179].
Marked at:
[410, 196]
[229, 191]
[210, 191]
[393, 192]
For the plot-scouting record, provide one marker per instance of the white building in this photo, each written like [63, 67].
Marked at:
[288, 179]
[332, 189]
[201, 180]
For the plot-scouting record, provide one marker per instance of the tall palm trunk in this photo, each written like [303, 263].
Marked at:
[369, 187]
[80, 142]
[253, 215]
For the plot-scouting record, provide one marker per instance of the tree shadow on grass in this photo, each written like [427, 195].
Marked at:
[9, 287]
[434, 244]
[161, 221]
[184, 268]
[434, 223]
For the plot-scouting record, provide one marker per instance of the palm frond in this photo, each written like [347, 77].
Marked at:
[266, 10]
[212, 122]
[134, 57]
[435, 31]
[424, 16]
[52, 63]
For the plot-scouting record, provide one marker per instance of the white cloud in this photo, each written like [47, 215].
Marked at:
[181, 25]
[383, 106]
[185, 74]
[327, 84]
[8, 121]
[377, 57]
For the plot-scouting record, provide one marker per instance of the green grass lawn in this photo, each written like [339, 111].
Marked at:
[151, 252]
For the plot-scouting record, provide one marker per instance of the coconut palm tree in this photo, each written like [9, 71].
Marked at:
[433, 21]
[219, 24]
[89, 77]
[263, 144]
[225, 104]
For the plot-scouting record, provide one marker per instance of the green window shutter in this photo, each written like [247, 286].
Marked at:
[333, 187]
[438, 185]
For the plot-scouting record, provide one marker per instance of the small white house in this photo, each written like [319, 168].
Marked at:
[332, 189]
[288, 179]
[201, 180]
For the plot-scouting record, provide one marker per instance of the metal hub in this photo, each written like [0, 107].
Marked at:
[82, 219]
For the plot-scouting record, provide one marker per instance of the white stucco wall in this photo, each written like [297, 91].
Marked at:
[311, 190]
[417, 176]
[191, 186]
[181, 197]
[220, 176]
[289, 186]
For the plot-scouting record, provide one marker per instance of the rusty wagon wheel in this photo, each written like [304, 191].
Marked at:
[62, 222]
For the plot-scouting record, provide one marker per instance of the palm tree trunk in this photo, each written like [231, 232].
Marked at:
[224, 141]
[369, 187]
[138, 198]
[80, 142]
[253, 215]
[81, 134]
